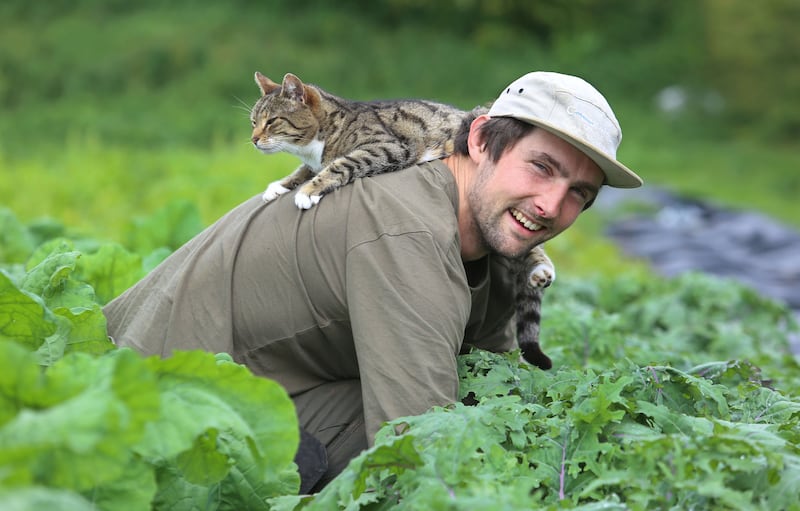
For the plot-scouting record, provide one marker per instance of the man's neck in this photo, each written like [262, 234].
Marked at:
[463, 169]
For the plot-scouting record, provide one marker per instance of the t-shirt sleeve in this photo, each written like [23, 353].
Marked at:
[409, 304]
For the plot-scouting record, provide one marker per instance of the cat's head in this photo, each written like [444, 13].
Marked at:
[286, 117]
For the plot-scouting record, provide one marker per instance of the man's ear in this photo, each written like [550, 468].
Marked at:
[475, 144]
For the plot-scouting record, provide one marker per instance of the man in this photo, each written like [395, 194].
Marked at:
[359, 306]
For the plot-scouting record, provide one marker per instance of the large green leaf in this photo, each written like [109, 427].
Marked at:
[233, 435]
[110, 270]
[80, 323]
[85, 439]
[23, 316]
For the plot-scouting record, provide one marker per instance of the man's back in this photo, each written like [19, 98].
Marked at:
[277, 287]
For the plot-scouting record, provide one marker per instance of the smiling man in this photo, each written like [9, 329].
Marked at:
[360, 306]
[531, 193]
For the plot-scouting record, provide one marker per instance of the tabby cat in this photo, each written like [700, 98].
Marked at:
[340, 140]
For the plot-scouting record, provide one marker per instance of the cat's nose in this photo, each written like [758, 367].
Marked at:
[254, 138]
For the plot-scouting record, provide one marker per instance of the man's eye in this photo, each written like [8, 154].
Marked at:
[542, 167]
[582, 192]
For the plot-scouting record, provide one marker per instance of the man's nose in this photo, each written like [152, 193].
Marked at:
[548, 204]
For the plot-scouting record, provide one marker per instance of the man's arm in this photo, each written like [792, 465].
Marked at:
[409, 304]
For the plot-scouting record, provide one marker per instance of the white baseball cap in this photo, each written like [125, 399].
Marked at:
[570, 108]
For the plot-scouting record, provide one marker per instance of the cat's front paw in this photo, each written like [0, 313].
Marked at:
[273, 191]
[303, 201]
[542, 275]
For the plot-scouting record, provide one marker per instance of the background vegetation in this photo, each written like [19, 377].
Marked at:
[112, 109]
[124, 128]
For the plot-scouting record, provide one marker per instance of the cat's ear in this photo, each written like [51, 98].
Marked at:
[293, 88]
[265, 84]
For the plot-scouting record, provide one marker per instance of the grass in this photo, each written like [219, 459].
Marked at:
[98, 189]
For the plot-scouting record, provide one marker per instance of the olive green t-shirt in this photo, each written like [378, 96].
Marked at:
[369, 284]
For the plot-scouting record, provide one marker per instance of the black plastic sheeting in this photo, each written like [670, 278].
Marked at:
[680, 234]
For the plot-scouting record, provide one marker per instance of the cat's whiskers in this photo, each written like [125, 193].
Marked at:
[243, 107]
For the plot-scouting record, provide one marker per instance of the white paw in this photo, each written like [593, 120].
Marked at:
[542, 275]
[273, 191]
[304, 201]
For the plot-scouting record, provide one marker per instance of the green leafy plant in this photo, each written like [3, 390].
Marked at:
[631, 437]
[667, 394]
[85, 425]
[635, 418]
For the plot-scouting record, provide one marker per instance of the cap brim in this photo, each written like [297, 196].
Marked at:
[617, 174]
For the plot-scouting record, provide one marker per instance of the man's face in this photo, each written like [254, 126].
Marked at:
[535, 190]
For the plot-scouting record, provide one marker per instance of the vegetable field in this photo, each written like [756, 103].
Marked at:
[667, 394]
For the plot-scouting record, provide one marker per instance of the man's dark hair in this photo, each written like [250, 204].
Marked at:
[498, 134]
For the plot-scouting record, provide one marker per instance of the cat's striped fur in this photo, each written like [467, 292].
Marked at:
[339, 140]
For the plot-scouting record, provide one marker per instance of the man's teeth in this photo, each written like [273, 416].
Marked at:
[525, 220]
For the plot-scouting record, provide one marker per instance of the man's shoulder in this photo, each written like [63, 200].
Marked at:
[426, 187]
[422, 198]
[414, 183]
[422, 191]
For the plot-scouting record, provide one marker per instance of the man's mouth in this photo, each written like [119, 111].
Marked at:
[525, 221]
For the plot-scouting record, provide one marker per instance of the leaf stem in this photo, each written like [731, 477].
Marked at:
[655, 378]
[562, 476]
